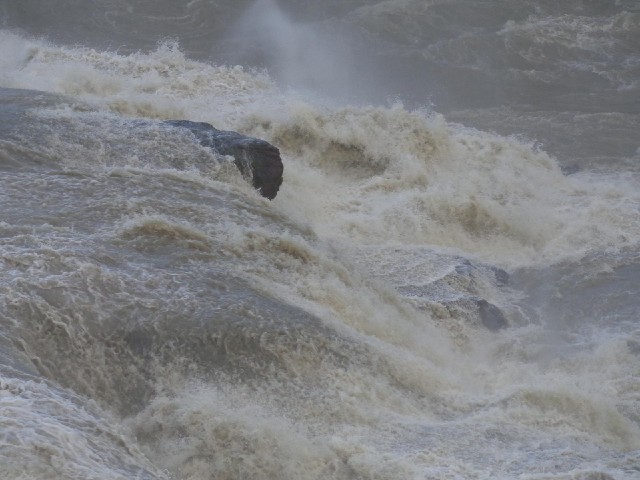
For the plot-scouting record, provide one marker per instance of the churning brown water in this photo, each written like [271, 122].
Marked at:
[451, 166]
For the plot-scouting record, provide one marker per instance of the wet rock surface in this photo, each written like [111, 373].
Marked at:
[256, 159]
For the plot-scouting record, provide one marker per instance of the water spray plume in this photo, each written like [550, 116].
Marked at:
[299, 55]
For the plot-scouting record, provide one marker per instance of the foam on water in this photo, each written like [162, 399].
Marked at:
[233, 337]
[50, 433]
[161, 84]
[379, 175]
[395, 177]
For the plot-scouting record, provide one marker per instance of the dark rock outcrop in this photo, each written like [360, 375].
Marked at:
[256, 159]
[491, 316]
[633, 346]
[502, 277]
[465, 292]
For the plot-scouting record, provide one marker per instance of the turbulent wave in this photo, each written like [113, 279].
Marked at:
[423, 299]
[368, 167]
[391, 176]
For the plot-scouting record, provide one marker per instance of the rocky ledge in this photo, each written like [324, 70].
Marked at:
[257, 160]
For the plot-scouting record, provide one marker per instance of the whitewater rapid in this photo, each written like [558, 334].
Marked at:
[160, 319]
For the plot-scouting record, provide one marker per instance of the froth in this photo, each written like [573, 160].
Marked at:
[205, 434]
[257, 339]
[50, 433]
[158, 230]
[160, 84]
[391, 176]
[376, 175]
